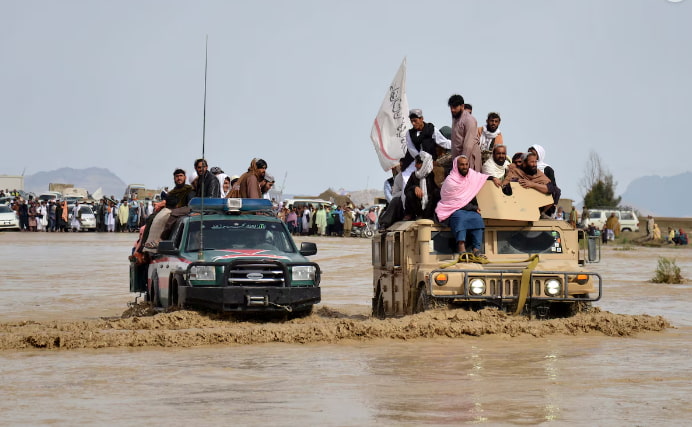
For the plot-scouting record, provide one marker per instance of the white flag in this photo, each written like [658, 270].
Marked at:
[388, 133]
[98, 194]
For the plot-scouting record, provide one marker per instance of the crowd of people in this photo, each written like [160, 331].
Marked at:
[43, 215]
[129, 214]
[653, 233]
[440, 176]
[334, 220]
[438, 179]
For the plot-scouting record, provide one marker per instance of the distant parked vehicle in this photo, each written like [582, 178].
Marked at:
[299, 203]
[628, 219]
[8, 218]
[48, 196]
[87, 219]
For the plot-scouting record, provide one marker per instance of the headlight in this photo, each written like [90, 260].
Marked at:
[477, 286]
[303, 272]
[441, 279]
[203, 272]
[552, 287]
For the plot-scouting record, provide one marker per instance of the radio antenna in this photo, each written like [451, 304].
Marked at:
[200, 254]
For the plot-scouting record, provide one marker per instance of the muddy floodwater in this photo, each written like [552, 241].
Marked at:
[67, 357]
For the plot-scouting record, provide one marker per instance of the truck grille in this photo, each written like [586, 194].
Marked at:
[255, 274]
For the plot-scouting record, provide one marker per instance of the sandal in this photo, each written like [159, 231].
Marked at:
[479, 258]
[151, 245]
[478, 254]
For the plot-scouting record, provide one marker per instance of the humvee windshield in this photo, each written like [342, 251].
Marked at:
[528, 242]
[443, 242]
[240, 234]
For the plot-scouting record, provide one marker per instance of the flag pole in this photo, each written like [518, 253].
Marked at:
[200, 254]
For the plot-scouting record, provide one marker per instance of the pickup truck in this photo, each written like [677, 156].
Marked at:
[230, 255]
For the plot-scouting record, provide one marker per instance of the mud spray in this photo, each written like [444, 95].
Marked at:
[140, 326]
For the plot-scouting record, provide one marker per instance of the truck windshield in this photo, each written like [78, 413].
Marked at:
[240, 234]
[528, 242]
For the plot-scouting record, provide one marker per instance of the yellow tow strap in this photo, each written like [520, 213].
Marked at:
[525, 283]
[467, 257]
[525, 275]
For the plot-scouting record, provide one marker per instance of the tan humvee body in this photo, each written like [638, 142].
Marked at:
[411, 258]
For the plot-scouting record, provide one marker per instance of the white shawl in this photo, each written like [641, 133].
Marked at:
[486, 138]
[422, 173]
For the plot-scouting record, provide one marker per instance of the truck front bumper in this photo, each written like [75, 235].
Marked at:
[249, 299]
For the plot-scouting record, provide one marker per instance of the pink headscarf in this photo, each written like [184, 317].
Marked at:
[457, 190]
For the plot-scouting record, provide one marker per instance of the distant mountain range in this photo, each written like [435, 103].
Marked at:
[91, 178]
[655, 195]
[661, 196]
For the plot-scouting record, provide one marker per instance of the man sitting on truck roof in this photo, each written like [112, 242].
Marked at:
[395, 207]
[497, 165]
[207, 184]
[458, 206]
[177, 201]
[529, 176]
[421, 193]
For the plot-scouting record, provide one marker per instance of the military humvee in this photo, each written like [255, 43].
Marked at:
[534, 266]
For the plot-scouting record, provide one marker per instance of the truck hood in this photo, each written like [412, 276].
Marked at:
[258, 254]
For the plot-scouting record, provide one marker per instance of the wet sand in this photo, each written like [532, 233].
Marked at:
[189, 329]
[69, 357]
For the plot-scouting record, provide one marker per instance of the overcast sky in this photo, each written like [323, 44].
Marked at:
[119, 84]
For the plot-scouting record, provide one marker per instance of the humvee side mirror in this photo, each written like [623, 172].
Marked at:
[308, 248]
[167, 247]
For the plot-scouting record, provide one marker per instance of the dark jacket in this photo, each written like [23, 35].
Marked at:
[211, 185]
[425, 141]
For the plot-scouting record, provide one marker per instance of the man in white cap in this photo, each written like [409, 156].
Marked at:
[421, 137]
[266, 184]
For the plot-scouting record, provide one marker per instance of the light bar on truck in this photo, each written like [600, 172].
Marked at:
[230, 205]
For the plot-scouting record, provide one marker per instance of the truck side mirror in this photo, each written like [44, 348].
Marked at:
[308, 248]
[167, 247]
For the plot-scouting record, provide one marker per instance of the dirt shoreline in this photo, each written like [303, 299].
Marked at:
[326, 325]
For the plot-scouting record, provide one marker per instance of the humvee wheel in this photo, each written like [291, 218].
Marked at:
[378, 305]
[423, 302]
[569, 309]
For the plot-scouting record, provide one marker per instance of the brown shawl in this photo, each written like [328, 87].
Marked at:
[516, 173]
[247, 185]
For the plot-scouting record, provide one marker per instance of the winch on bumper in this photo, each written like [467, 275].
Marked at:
[251, 286]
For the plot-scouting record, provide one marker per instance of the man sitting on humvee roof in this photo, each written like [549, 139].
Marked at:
[498, 165]
[421, 192]
[458, 207]
[529, 176]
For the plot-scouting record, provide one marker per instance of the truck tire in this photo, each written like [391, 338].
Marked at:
[155, 296]
[173, 292]
[378, 305]
[422, 301]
